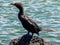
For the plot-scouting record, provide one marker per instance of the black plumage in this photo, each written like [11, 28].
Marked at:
[27, 23]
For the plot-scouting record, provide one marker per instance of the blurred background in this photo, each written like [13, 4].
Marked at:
[46, 13]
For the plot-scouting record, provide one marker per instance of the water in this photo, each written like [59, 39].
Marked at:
[46, 13]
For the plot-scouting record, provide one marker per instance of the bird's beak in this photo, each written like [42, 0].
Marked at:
[12, 4]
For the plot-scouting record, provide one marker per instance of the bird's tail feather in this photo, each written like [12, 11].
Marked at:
[46, 29]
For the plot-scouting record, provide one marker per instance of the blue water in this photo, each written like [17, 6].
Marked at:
[46, 13]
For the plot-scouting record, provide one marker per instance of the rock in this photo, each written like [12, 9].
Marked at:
[29, 40]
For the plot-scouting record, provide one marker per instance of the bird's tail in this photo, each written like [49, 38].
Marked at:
[46, 29]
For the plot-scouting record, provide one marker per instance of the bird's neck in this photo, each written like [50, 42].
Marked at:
[21, 11]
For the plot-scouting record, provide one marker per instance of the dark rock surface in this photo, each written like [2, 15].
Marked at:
[29, 40]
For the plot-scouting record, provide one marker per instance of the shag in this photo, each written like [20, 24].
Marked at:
[27, 23]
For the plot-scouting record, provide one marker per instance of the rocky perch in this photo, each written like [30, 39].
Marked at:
[29, 40]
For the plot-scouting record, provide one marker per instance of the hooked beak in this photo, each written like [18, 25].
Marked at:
[12, 4]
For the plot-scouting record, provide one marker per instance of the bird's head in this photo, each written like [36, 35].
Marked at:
[18, 5]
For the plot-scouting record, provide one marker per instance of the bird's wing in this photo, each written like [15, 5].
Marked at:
[33, 24]
[36, 27]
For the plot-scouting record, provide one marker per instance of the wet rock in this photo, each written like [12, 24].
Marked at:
[29, 40]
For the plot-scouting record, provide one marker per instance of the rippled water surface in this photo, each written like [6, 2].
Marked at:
[46, 13]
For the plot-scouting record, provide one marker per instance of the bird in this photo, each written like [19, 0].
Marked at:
[27, 22]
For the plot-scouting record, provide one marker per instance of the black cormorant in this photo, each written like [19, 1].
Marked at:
[27, 23]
